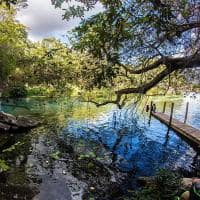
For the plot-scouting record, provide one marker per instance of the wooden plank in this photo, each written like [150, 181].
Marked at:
[186, 130]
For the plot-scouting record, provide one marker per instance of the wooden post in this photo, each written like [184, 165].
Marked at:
[164, 107]
[150, 113]
[171, 114]
[151, 107]
[186, 112]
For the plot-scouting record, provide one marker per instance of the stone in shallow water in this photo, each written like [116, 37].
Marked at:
[24, 122]
[8, 118]
[9, 122]
[52, 189]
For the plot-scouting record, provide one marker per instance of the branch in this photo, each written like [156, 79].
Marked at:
[172, 64]
[116, 101]
[145, 87]
[178, 30]
[152, 66]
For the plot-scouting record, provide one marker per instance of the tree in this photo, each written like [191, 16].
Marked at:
[13, 40]
[158, 37]
[14, 2]
[51, 63]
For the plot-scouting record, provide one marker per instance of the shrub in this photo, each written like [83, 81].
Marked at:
[166, 187]
[17, 92]
[168, 184]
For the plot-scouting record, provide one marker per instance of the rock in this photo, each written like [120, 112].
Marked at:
[149, 181]
[6, 118]
[187, 182]
[146, 181]
[9, 122]
[24, 122]
[4, 127]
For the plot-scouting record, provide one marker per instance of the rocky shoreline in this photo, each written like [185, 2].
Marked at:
[10, 123]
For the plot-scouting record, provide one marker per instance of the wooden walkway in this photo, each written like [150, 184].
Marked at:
[191, 133]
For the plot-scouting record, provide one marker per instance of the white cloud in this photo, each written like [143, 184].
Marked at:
[43, 20]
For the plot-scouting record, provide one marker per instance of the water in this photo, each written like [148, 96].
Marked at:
[122, 138]
[134, 143]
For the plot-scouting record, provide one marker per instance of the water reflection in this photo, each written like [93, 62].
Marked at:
[133, 143]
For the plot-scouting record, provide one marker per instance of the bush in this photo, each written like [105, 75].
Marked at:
[17, 92]
[168, 184]
[166, 187]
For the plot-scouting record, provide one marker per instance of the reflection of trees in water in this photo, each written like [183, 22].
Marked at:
[117, 142]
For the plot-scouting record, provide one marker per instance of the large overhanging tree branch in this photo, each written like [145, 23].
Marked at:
[171, 65]
[178, 30]
[140, 37]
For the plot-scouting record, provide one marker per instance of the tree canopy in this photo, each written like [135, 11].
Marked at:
[48, 64]
[150, 38]
[128, 47]
[13, 40]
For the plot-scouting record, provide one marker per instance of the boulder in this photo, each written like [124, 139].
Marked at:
[4, 127]
[9, 122]
[24, 122]
[6, 118]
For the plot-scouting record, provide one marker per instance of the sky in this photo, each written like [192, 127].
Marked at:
[43, 20]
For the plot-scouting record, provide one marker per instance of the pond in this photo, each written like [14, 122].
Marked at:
[124, 139]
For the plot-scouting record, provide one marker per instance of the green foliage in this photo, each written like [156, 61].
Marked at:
[9, 3]
[47, 64]
[14, 147]
[42, 90]
[3, 166]
[89, 155]
[132, 34]
[13, 41]
[167, 186]
[103, 46]
[55, 155]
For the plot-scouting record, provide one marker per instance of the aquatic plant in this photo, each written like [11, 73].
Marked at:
[13, 147]
[55, 155]
[3, 166]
